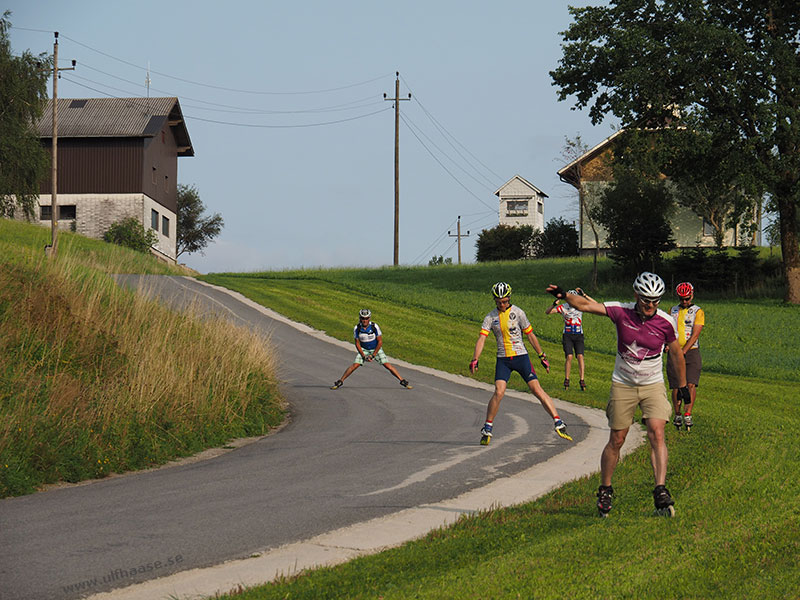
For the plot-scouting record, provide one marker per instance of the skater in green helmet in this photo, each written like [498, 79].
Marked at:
[368, 339]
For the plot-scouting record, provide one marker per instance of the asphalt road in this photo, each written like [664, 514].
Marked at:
[369, 449]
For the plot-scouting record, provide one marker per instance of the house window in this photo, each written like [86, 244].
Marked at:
[166, 183]
[541, 208]
[154, 219]
[65, 211]
[708, 228]
[517, 208]
[165, 226]
[154, 175]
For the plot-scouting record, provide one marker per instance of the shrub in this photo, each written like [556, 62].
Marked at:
[129, 232]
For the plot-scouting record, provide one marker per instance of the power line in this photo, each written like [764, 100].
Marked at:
[470, 192]
[227, 89]
[253, 125]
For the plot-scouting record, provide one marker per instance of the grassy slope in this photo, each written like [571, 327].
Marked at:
[735, 477]
[95, 379]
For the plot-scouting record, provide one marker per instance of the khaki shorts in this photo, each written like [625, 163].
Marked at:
[625, 398]
[694, 364]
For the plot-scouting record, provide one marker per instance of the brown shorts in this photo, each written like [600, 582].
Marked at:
[625, 398]
[694, 364]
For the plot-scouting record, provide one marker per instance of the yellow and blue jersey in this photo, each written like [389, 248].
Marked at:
[508, 327]
[686, 319]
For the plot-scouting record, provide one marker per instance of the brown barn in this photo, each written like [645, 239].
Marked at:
[117, 158]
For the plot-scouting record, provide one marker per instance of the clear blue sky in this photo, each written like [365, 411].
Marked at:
[278, 99]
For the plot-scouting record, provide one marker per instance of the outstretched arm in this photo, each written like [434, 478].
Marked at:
[473, 364]
[582, 303]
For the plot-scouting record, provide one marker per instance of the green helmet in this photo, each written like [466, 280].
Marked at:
[501, 290]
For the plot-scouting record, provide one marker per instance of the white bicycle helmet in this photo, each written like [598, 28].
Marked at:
[649, 285]
[501, 290]
[364, 313]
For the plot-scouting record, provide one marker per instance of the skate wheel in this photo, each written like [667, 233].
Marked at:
[603, 515]
[485, 440]
[666, 512]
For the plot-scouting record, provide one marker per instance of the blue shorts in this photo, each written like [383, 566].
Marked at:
[520, 363]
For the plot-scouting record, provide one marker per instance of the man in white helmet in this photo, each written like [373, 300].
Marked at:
[509, 324]
[643, 331]
[368, 339]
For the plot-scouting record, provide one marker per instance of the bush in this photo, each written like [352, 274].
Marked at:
[131, 233]
[505, 243]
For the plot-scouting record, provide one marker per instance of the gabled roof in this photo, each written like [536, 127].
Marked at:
[569, 173]
[525, 182]
[116, 117]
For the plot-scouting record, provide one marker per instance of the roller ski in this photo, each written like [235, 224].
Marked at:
[663, 502]
[687, 422]
[339, 383]
[405, 384]
[678, 422]
[604, 495]
[561, 429]
[583, 385]
[566, 384]
[486, 435]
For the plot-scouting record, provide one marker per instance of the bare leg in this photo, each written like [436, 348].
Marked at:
[568, 366]
[581, 366]
[610, 456]
[349, 371]
[658, 449]
[547, 401]
[392, 370]
[494, 404]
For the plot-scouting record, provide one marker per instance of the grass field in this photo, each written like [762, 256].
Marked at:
[95, 379]
[735, 478]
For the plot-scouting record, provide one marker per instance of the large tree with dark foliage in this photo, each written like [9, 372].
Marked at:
[194, 230]
[559, 238]
[635, 211]
[23, 92]
[730, 70]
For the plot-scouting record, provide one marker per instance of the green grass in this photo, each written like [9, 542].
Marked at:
[735, 478]
[97, 379]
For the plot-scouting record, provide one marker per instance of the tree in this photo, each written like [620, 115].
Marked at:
[194, 231]
[573, 149]
[559, 238]
[435, 261]
[504, 243]
[129, 232]
[729, 69]
[23, 92]
[634, 211]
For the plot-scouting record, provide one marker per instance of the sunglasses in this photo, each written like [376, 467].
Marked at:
[647, 301]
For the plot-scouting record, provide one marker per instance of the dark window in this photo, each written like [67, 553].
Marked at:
[708, 228]
[65, 211]
[517, 208]
[165, 226]
[77, 104]
[154, 175]
[154, 219]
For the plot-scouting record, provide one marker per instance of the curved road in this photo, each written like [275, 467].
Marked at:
[368, 450]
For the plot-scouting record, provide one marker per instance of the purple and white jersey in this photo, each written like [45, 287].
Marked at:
[640, 344]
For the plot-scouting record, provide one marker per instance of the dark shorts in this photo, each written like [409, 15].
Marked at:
[521, 364]
[572, 341]
[694, 364]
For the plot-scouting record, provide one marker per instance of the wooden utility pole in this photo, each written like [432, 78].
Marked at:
[396, 101]
[459, 236]
[52, 249]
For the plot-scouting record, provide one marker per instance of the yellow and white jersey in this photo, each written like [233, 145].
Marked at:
[686, 319]
[508, 327]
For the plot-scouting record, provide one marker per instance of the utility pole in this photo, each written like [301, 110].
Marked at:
[459, 236]
[396, 101]
[52, 249]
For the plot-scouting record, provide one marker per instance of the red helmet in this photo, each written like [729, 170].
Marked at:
[684, 290]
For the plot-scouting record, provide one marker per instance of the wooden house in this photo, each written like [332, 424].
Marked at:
[592, 172]
[117, 158]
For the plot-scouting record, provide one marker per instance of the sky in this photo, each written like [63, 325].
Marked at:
[293, 139]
